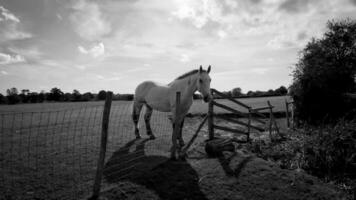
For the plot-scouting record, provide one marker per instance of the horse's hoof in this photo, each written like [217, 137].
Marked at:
[138, 137]
[182, 158]
[181, 144]
[173, 158]
[152, 137]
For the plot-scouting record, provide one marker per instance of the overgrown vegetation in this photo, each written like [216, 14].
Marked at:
[326, 71]
[328, 152]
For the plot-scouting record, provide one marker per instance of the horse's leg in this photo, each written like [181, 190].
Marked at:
[174, 143]
[180, 138]
[136, 110]
[148, 115]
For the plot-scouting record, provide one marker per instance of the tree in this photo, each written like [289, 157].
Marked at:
[67, 96]
[87, 96]
[236, 92]
[281, 91]
[12, 96]
[33, 97]
[76, 96]
[101, 95]
[24, 95]
[2, 99]
[324, 72]
[55, 95]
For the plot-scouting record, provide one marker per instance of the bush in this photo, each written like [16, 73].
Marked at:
[331, 152]
[324, 73]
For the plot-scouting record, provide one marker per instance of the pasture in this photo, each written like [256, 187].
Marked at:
[198, 106]
[50, 150]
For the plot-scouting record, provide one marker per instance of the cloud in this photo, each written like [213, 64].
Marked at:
[222, 34]
[9, 26]
[95, 51]
[6, 59]
[295, 6]
[7, 15]
[4, 73]
[81, 67]
[30, 53]
[198, 12]
[88, 21]
[184, 58]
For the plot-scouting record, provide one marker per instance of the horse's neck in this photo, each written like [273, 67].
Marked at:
[187, 86]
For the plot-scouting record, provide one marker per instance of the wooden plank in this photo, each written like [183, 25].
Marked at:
[240, 122]
[229, 129]
[176, 125]
[230, 98]
[186, 147]
[211, 120]
[229, 109]
[262, 108]
[103, 143]
[259, 114]
[249, 126]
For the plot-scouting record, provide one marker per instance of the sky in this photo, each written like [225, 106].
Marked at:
[93, 45]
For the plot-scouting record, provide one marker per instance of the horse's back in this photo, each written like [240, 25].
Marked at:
[153, 94]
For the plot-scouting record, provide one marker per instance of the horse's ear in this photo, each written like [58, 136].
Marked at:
[209, 68]
[201, 69]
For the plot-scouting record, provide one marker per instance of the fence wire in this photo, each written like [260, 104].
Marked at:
[53, 154]
[46, 153]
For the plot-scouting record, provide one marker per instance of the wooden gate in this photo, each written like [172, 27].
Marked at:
[255, 119]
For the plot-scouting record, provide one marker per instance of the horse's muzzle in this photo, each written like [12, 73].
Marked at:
[206, 99]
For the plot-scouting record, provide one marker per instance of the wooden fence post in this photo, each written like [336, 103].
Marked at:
[104, 137]
[211, 118]
[292, 112]
[177, 120]
[249, 125]
[270, 119]
[287, 114]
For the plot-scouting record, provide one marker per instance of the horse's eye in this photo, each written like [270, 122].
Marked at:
[200, 81]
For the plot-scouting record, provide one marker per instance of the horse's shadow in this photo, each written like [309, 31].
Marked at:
[169, 179]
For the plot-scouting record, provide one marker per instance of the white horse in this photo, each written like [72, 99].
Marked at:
[163, 98]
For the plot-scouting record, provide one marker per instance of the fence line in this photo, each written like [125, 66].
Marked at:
[252, 115]
[47, 154]
[53, 154]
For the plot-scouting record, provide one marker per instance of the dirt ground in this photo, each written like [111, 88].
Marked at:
[239, 175]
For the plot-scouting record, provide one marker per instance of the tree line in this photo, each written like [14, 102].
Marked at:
[237, 93]
[14, 96]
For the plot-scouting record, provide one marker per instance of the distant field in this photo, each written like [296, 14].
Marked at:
[198, 106]
[58, 143]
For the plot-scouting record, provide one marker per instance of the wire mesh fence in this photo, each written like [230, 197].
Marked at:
[47, 152]
[53, 154]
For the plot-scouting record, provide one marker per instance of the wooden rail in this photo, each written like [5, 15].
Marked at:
[248, 124]
[232, 130]
[230, 98]
[228, 108]
[250, 115]
[185, 149]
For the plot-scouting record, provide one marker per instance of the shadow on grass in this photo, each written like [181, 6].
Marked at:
[169, 179]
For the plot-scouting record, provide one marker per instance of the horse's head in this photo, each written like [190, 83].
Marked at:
[203, 83]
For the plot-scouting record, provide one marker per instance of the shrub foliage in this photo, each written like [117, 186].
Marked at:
[325, 72]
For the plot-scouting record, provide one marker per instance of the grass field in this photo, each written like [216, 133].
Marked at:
[198, 105]
[50, 150]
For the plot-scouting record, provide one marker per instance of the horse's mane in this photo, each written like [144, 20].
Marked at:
[194, 71]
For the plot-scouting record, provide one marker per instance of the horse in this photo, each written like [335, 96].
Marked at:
[162, 98]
